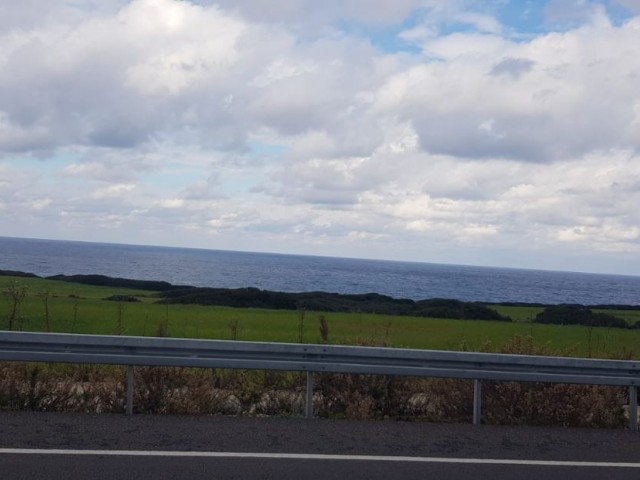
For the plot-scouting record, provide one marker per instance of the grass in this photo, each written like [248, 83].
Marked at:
[79, 308]
[518, 314]
[94, 389]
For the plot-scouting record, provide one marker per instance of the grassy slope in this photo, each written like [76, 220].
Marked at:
[518, 314]
[95, 315]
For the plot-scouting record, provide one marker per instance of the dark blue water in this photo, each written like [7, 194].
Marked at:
[296, 273]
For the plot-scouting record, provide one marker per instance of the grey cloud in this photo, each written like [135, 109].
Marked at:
[37, 94]
[328, 197]
[513, 67]
[532, 138]
[465, 137]
[296, 187]
[118, 134]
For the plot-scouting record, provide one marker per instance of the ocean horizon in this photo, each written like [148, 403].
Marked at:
[303, 273]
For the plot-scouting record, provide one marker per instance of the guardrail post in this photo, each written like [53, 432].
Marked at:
[129, 389]
[309, 403]
[477, 401]
[633, 407]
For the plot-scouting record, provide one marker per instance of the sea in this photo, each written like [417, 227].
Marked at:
[303, 273]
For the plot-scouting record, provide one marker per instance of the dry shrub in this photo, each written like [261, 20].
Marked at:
[51, 387]
[362, 396]
[443, 400]
[172, 390]
[516, 403]
[279, 402]
[168, 390]
[553, 404]
[251, 385]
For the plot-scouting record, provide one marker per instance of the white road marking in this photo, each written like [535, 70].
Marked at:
[314, 456]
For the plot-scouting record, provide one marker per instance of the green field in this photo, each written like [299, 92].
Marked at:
[518, 314]
[79, 308]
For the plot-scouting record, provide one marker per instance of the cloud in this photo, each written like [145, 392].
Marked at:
[112, 79]
[113, 191]
[161, 67]
[554, 97]
[513, 67]
[290, 126]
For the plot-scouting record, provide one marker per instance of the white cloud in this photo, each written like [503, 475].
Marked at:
[482, 22]
[92, 169]
[190, 45]
[113, 191]
[41, 203]
[573, 93]
[172, 203]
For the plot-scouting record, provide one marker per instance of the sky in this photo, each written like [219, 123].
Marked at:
[496, 132]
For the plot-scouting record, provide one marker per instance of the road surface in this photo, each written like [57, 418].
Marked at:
[74, 446]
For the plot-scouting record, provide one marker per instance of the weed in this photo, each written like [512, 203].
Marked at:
[16, 294]
[163, 326]
[387, 330]
[301, 313]
[234, 329]
[45, 296]
[120, 326]
[324, 329]
[75, 314]
[162, 329]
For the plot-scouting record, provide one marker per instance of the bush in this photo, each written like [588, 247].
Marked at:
[15, 273]
[122, 298]
[578, 315]
[331, 302]
[104, 281]
[455, 309]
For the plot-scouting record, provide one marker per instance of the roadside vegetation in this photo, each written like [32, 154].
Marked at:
[35, 304]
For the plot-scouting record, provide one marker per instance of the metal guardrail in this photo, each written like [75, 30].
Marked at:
[147, 351]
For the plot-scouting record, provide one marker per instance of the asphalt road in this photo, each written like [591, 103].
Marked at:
[71, 446]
